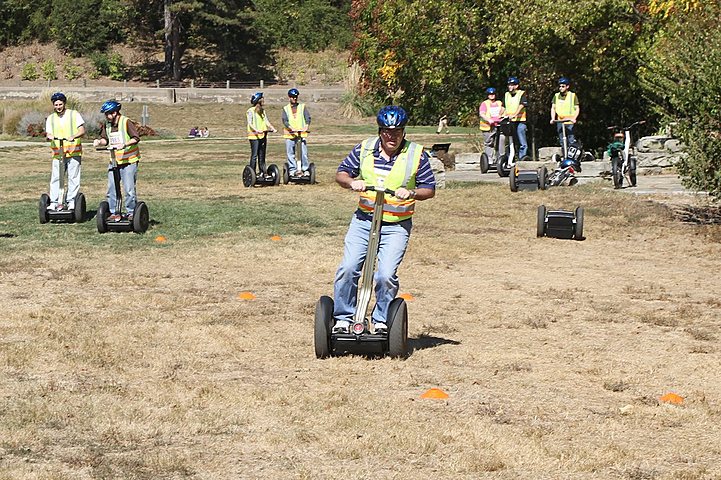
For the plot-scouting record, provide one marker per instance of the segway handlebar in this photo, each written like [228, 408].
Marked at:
[390, 192]
[617, 127]
[107, 148]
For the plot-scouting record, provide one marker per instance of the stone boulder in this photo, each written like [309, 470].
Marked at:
[439, 171]
[468, 161]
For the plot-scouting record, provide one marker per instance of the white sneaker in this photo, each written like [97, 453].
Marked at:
[71, 206]
[53, 206]
[380, 328]
[341, 326]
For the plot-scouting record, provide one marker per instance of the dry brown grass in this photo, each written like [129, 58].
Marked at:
[554, 353]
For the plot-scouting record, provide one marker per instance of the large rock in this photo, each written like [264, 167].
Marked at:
[662, 160]
[674, 145]
[439, 171]
[652, 144]
[468, 159]
[546, 153]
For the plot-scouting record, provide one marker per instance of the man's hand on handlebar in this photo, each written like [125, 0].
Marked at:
[358, 186]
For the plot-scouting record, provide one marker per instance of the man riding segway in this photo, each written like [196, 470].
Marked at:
[296, 120]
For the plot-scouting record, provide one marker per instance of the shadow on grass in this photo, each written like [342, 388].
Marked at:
[427, 341]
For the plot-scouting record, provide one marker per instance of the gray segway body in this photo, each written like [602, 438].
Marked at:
[560, 223]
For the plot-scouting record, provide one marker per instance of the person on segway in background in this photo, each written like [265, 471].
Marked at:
[516, 103]
[296, 119]
[397, 164]
[258, 127]
[68, 125]
[490, 112]
[119, 132]
[565, 106]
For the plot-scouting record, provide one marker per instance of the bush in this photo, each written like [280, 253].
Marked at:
[49, 70]
[32, 124]
[29, 72]
[10, 120]
[71, 71]
[93, 122]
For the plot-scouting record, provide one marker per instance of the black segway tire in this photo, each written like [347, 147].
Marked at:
[484, 163]
[323, 326]
[502, 167]
[311, 172]
[286, 175]
[578, 226]
[80, 208]
[541, 221]
[397, 321]
[141, 218]
[248, 177]
[632, 170]
[102, 217]
[43, 208]
[543, 178]
[513, 180]
[274, 172]
[616, 172]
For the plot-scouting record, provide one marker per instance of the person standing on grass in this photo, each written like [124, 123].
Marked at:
[516, 103]
[70, 126]
[565, 106]
[296, 120]
[258, 128]
[490, 112]
[398, 164]
[118, 131]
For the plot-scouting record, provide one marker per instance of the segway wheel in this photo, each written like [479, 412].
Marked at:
[541, 221]
[632, 170]
[141, 218]
[274, 172]
[513, 180]
[502, 167]
[397, 328]
[323, 327]
[311, 172]
[543, 178]
[248, 177]
[43, 208]
[102, 217]
[286, 175]
[80, 208]
[578, 227]
[616, 172]
[484, 163]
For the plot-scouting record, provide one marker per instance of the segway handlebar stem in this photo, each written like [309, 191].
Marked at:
[392, 193]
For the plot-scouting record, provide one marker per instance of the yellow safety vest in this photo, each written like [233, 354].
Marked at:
[296, 120]
[60, 129]
[485, 126]
[565, 106]
[256, 122]
[129, 154]
[402, 174]
[513, 104]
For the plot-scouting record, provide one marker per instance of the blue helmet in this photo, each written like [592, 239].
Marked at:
[293, 92]
[110, 106]
[59, 96]
[512, 81]
[392, 116]
[490, 90]
[569, 162]
[256, 98]
[564, 81]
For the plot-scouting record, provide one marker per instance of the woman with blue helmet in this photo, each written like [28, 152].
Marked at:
[119, 131]
[390, 160]
[258, 126]
[296, 120]
[66, 124]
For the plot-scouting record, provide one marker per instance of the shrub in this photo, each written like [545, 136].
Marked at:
[71, 71]
[49, 70]
[32, 124]
[10, 120]
[116, 67]
[93, 121]
[29, 72]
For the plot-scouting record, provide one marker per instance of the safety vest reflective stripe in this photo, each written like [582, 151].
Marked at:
[513, 104]
[256, 123]
[564, 106]
[72, 149]
[402, 174]
[297, 121]
[129, 154]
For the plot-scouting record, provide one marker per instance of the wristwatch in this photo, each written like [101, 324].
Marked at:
[413, 194]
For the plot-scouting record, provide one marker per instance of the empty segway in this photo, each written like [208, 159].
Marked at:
[305, 176]
[62, 213]
[362, 332]
[141, 216]
[527, 179]
[560, 223]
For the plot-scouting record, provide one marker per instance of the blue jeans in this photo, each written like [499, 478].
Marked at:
[521, 138]
[570, 139]
[290, 154]
[393, 242]
[128, 176]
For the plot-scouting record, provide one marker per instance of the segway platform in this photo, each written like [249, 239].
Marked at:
[251, 178]
[560, 223]
[138, 224]
[64, 215]
[529, 180]
[307, 178]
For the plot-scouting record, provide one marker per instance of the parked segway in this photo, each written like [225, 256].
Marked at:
[271, 176]
[62, 213]
[559, 223]
[305, 176]
[141, 216]
[395, 342]
[527, 179]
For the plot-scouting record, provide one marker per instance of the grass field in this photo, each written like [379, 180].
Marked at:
[124, 357]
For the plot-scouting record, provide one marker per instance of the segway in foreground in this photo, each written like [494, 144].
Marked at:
[559, 223]
[307, 176]
[269, 177]
[362, 332]
[62, 213]
[140, 219]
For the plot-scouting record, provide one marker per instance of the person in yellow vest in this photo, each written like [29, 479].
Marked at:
[516, 103]
[565, 106]
[258, 128]
[296, 120]
[121, 132]
[70, 126]
[490, 112]
[391, 160]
